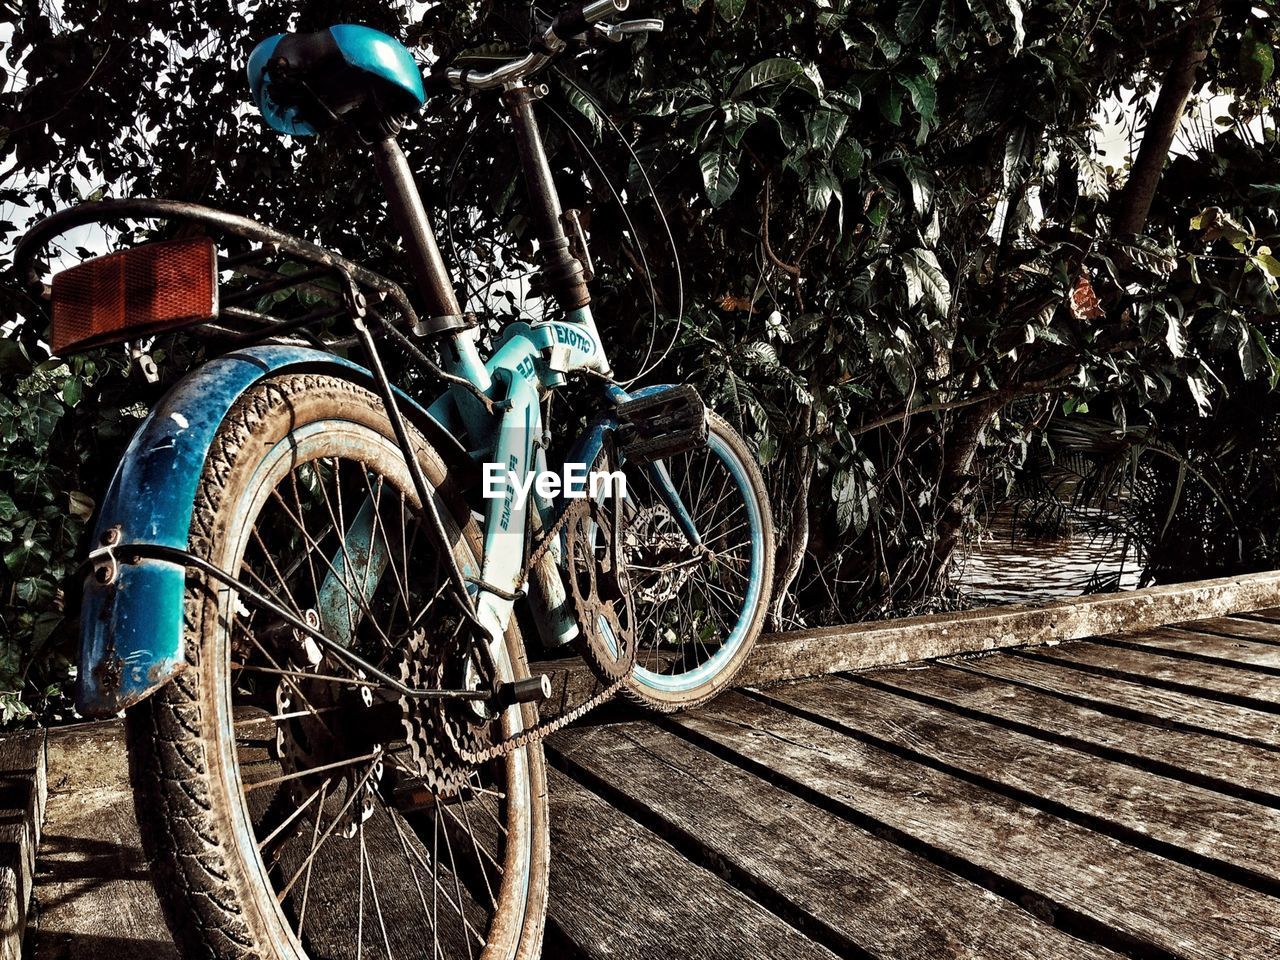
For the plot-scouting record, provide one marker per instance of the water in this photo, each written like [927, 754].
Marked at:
[1001, 570]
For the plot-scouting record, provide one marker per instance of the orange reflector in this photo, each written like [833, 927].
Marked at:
[135, 293]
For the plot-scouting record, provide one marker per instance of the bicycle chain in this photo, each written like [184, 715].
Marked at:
[540, 731]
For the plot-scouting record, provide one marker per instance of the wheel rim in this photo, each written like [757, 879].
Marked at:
[694, 618]
[355, 853]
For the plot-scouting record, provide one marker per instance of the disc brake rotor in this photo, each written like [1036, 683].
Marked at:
[657, 553]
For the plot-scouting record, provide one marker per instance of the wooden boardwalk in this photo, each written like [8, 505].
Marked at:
[1101, 798]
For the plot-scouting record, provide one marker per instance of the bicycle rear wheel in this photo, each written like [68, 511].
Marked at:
[292, 806]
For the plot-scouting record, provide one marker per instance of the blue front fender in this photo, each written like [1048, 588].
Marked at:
[131, 631]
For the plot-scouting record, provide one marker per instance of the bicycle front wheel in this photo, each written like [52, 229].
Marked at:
[292, 806]
[699, 607]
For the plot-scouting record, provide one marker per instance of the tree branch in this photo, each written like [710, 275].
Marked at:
[1175, 89]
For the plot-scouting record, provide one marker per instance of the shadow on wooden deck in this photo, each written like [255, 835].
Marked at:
[1093, 799]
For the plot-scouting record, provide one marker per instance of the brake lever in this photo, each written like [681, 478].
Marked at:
[616, 32]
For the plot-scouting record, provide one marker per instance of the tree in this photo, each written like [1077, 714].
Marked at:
[901, 256]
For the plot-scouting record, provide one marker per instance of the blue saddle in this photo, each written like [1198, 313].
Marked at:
[302, 82]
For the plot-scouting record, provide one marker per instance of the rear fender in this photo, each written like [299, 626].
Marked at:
[131, 630]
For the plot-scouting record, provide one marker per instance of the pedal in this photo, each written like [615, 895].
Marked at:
[661, 424]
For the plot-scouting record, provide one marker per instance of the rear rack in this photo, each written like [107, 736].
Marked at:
[278, 264]
[275, 264]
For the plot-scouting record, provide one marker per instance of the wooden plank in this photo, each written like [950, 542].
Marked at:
[1229, 766]
[1270, 615]
[1255, 690]
[23, 791]
[93, 888]
[1235, 838]
[1088, 879]
[860, 646]
[1221, 651]
[1132, 698]
[619, 891]
[861, 894]
[1244, 627]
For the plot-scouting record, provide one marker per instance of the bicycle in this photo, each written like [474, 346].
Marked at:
[333, 730]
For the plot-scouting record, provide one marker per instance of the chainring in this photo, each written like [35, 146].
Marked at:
[600, 587]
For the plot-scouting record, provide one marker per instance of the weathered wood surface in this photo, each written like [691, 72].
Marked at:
[620, 891]
[1245, 770]
[1095, 799]
[1085, 880]
[1243, 628]
[808, 653]
[23, 791]
[1271, 615]
[1156, 669]
[1234, 651]
[1133, 698]
[94, 897]
[835, 880]
[1226, 834]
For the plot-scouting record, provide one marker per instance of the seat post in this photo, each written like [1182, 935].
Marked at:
[414, 224]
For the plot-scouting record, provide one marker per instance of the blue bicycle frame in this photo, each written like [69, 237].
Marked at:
[132, 625]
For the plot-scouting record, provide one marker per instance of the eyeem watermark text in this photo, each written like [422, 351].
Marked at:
[574, 483]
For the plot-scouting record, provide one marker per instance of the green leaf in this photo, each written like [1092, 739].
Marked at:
[913, 17]
[944, 30]
[825, 127]
[719, 176]
[584, 105]
[72, 391]
[1257, 59]
[926, 283]
[730, 9]
[1252, 360]
[849, 158]
[924, 97]
[822, 189]
[891, 104]
[1267, 261]
[1272, 361]
[850, 97]
[1200, 393]
[777, 70]
[1015, 14]
[844, 491]
[1174, 337]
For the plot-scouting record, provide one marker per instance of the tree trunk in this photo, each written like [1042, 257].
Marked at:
[956, 487]
[1179, 81]
[791, 558]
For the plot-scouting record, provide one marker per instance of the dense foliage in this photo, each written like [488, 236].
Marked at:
[899, 268]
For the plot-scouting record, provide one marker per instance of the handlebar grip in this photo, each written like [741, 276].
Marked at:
[575, 21]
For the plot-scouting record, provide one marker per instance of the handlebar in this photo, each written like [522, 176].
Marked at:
[564, 27]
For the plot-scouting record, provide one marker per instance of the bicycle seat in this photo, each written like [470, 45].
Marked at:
[303, 82]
